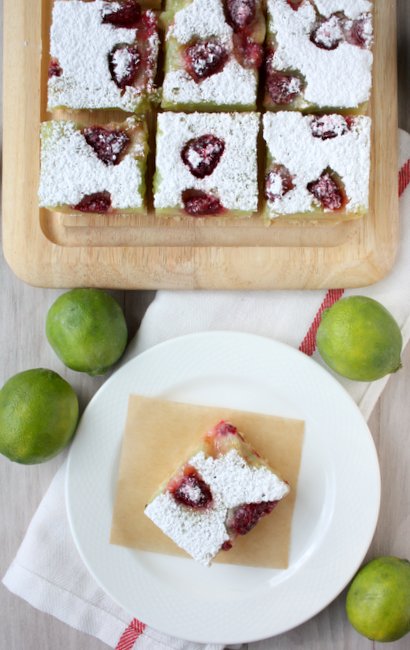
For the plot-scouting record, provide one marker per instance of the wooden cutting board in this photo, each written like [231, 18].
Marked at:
[127, 252]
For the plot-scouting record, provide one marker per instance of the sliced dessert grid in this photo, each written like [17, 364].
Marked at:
[213, 53]
[316, 164]
[94, 169]
[206, 164]
[318, 55]
[220, 492]
[103, 55]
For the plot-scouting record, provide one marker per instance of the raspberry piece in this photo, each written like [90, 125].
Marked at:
[328, 34]
[108, 145]
[359, 31]
[248, 53]
[54, 69]
[295, 4]
[278, 182]
[240, 13]
[282, 88]
[199, 204]
[224, 428]
[204, 59]
[327, 191]
[226, 546]
[329, 126]
[125, 14]
[124, 62]
[191, 490]
[245, 517]
[99, 202]
[203, 154]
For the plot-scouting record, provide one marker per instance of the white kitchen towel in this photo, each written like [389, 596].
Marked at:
[47, 570]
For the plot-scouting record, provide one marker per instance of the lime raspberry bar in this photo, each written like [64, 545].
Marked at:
[206, 164]
[220, 492]
[213, 52]
[317, 165]
[318, 55]
[93, 169]
[103, 55]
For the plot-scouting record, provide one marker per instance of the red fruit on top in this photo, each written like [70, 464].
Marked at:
[226, 546]
[108, 145]
[204, 59]
[329, 126]
[123, 14]
[224, 428]
[245, 517]
[327, 191]
[248, 53]
[328, 34]
[282, 88]
[99, 202]
[54, 69]
[278, 182]
[201, 155]
[360, 31]
[124, 62]
[240, 13]
[191, 490]
[295, 4]
[199, 204]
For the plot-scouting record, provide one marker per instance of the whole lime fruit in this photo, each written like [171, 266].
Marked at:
[86, 328]
[38, 416]
[378, 599]
[359, 339]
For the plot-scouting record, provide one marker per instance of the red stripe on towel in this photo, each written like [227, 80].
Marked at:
[131, 634]
[308, 345]
[404, 177]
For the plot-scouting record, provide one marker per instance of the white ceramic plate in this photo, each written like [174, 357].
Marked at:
[337, 500]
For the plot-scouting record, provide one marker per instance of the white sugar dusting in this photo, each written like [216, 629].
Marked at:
[290, 142]
[234, 85]
[340, 77]
[234, 179]
[82, 43]
[70, 169]
[351, 8]
[202, 19]
[232, 482]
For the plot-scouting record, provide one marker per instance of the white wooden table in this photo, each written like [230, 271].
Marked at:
[23, 345]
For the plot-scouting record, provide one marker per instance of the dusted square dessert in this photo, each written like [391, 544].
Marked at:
[206, 164]
[220, 492]
[95, 169]
[213, 52]
[319, 55]
[317, 165]
[103, 55]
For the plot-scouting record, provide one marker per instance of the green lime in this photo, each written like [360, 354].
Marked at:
[359, 339]
[38, 416]
[378, 599]
[86, 328]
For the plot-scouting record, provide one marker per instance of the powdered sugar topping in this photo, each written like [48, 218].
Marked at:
[82, 44]
[291, 143]
[234, 179]
[203, 19]
[339, 77]
[232, 482]
[351, 8]
[70, 169]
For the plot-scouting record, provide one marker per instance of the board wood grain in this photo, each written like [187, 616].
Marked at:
[128, 252]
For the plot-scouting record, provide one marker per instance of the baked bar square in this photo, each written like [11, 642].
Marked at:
[220, 492]
[93, 169]
[317, 165]
[103, 55]
[206, 164]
